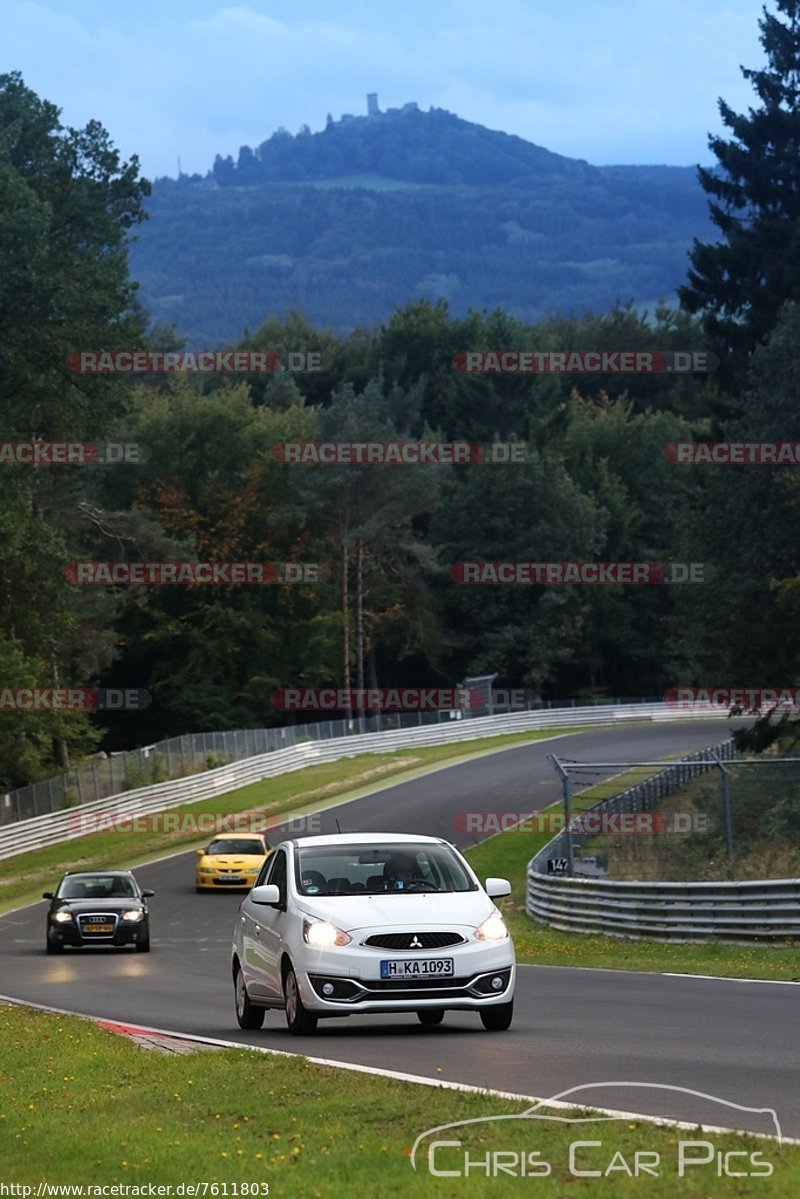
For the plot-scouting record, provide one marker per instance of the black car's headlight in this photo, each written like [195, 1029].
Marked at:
[133, 914]
[63, 917]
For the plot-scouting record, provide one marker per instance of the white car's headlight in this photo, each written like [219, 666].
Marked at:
[63, 917]
[492, 929]
[133, 914]
[323, 935]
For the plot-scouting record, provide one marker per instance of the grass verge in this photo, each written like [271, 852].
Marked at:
[25, 876]
[81, 1105]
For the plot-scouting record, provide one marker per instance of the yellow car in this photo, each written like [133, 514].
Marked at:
[232, 860]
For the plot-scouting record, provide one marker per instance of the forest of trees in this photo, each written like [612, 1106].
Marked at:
[597, 485]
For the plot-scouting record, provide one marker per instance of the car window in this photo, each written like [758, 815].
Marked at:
[231, 845]
[96, 886]
[262, 874]
[276, 874]
[356, 869]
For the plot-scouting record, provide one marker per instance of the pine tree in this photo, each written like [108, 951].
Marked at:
[740, 282]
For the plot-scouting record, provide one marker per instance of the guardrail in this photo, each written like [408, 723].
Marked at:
[55, 827]
[743, 911]
[767, 910]
[112, 774]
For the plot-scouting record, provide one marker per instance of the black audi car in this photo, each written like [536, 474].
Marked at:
[98, 907]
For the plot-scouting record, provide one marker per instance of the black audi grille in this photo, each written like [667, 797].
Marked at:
[414, 940]
[87, 923]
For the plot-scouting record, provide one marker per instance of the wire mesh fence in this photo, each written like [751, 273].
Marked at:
[713, 816]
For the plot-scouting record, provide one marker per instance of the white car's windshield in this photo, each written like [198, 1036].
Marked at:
[379, 868]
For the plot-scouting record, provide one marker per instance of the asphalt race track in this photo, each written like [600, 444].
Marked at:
[735, 1041]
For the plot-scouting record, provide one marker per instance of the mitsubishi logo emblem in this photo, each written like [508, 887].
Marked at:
[415, 942]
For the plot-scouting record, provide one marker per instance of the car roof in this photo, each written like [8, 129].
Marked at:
[94, 873]
[238, 836]
[334, 839]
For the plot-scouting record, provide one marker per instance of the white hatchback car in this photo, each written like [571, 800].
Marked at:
[371, 923]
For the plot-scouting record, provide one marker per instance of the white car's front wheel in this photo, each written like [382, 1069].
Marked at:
[497, 1018]
[247, 1015]
[301, 1022]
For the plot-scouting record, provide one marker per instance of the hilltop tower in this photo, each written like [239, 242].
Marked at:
[372, 104]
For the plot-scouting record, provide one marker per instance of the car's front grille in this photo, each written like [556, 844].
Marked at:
[351, 991]
[91, 921]
[414, 940]
[414, 984]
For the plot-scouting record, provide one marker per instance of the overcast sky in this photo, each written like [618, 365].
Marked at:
[631, 81]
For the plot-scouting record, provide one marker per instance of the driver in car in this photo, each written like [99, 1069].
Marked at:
[400, 867]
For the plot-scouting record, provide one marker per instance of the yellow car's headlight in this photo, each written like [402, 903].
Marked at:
[492, 929]
[206, 870]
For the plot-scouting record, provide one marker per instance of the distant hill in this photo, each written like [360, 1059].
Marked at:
[373, 211]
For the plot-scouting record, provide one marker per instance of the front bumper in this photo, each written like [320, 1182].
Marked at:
[354, 976]
[218, 882]
[124, 934]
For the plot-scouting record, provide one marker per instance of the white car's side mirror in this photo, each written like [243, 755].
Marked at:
[267, 894]
[496, 887]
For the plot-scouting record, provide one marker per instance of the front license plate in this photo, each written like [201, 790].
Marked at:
[231, 879]
[99, 928]
[418, 968]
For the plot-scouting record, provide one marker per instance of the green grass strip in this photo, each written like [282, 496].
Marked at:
[81, 1105]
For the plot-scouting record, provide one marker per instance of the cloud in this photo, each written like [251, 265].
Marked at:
[637, 81]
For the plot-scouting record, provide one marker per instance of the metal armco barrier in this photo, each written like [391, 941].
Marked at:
[767, 910]
[53, 828]
[746, 911]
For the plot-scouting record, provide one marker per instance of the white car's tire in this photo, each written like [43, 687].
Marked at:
[301, 1022]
